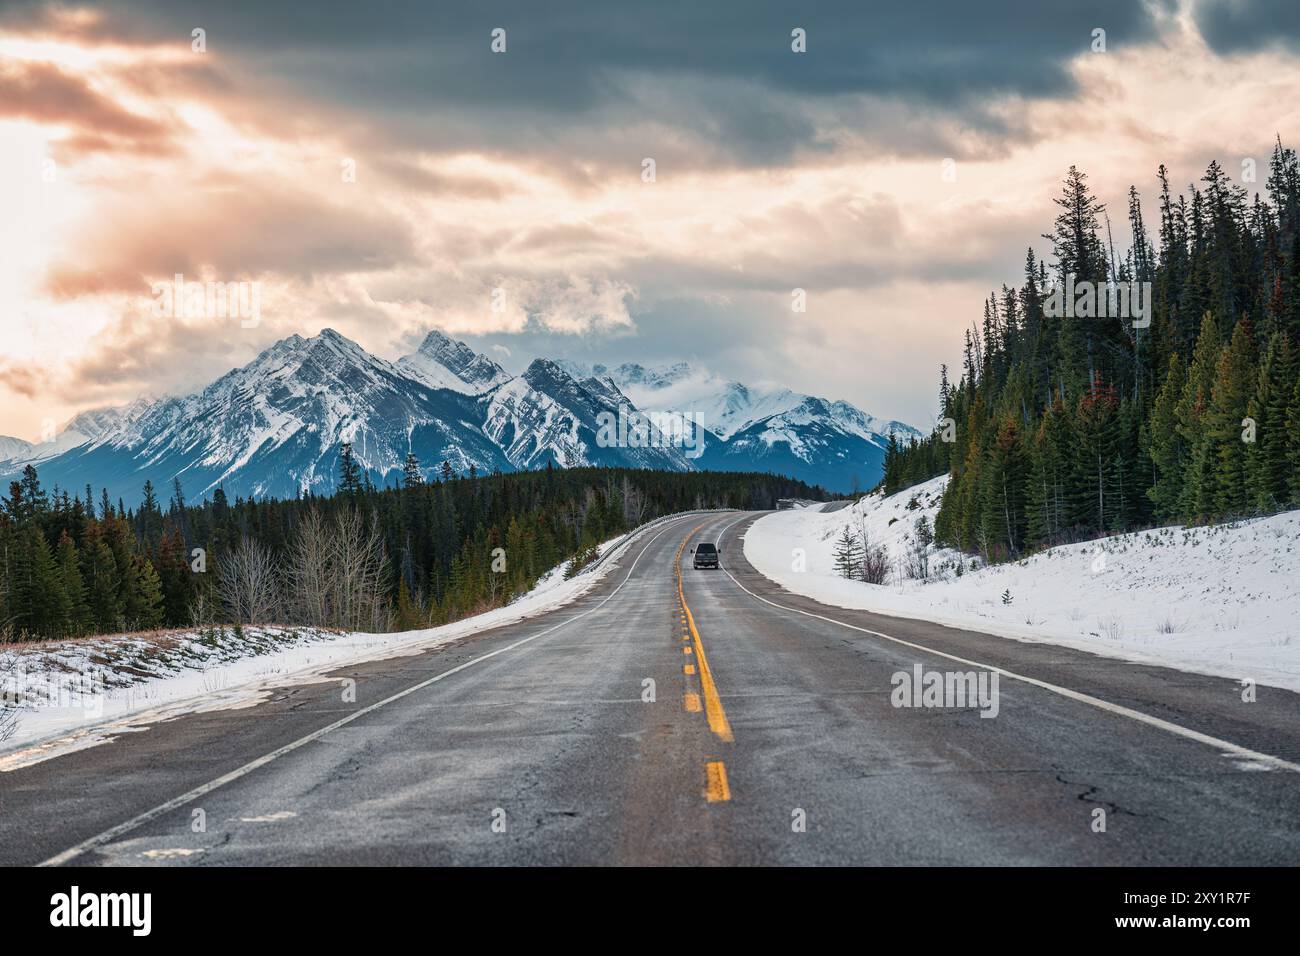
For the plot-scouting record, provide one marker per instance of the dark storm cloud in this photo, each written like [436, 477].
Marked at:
[720, 74]
[1236, 26]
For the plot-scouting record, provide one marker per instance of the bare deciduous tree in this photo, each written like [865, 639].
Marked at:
[358, 560]
[634, 503]
[246, 581]
[334, 573]
[309, 584]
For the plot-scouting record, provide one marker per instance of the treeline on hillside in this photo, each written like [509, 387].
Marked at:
[397, 558]
[1068, 427]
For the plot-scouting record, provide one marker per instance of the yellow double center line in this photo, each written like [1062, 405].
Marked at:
[712, 704]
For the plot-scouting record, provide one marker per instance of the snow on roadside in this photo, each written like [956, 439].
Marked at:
[80, 693]
[1222, 600]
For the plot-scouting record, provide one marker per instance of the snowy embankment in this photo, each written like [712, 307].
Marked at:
[65, 695]
[1221, 600]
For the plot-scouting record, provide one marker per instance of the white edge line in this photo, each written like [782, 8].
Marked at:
[203, 789]
[1097, 702]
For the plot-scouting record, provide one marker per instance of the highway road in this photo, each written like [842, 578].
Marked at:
[673, 716]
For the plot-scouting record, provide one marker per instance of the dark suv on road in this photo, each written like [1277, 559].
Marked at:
[706, 555]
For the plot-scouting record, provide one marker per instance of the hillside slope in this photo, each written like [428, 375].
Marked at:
[1220, 600]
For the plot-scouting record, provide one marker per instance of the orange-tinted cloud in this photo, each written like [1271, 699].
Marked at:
[19, 379]
[43, 93]
[235, 228]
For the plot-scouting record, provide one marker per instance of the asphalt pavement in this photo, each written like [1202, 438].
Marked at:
[683, 717]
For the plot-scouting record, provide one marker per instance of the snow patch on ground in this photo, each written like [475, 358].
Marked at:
[69, 695]
[1222, 600]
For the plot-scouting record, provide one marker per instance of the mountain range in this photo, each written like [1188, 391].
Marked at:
[275, 427]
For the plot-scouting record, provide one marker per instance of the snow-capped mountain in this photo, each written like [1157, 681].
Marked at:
[14, 449]
[98, 422]
[727, 407]
[445, 363]
[547, 414]
[815, 441]
[16, 454]
[276, 426]
[768, 427]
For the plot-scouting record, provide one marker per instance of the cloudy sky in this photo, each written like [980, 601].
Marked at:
[132, 151]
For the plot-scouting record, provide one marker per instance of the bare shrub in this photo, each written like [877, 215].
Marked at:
[10, 697]
[873, 560]
[202, 612]
[581, 560]
[917, 560]
[875, 563]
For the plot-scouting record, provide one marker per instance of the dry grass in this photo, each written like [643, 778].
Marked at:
[162, 638]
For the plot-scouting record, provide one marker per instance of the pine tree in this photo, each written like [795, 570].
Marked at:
[148, 518]
[1074, 236]
[349, 472]
[1128, 504]
[1047, 511]
[77, 615]
[176, 578]
[14, 509]
[7, 548]
[409, 615]
[1268, 463]
[1293, 442]
[1003, 504]
[178, 503]
[1096, 434]
[411, 471]
[1235, 377]
[144, 599]
[1198, 483]
[848, 554]
[103, 585]
[35, 500]
[39, 597]
[893, 465]
[1166, 443]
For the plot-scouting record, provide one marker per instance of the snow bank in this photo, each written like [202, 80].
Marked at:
[75, 694]
[1221, 600]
